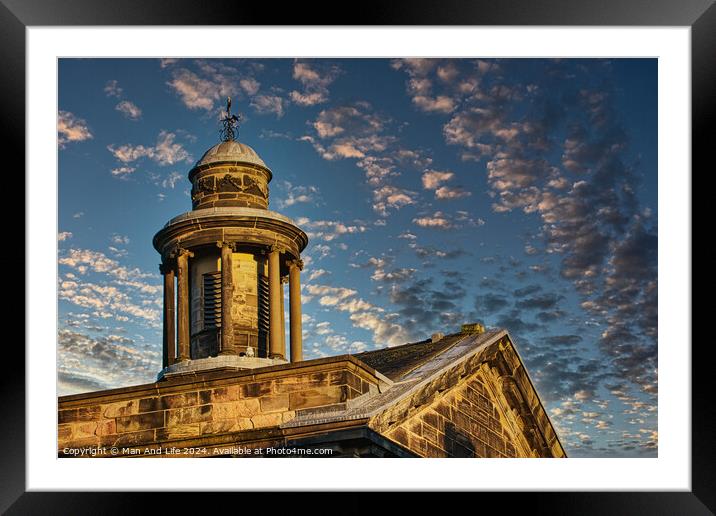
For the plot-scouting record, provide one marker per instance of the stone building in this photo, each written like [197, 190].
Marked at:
[229, 388]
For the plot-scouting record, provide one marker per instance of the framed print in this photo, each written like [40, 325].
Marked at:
[461, 237]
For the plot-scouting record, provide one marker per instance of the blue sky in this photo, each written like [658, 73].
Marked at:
[517, 192]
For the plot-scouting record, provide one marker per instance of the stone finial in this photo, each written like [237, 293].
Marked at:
[473, 328]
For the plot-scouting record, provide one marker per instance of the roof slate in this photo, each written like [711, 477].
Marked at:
[397, 361]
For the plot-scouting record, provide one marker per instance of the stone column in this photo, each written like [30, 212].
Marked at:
[227, 294]
[294, 306]
[183, 304]
[168, 333]
[275, 330]
[284, 280]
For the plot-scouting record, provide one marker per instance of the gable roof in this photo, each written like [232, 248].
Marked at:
[421, 371]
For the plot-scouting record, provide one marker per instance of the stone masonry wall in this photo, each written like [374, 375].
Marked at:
[463, 422]
[158, 413]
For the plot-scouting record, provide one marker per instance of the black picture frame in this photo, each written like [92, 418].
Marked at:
[16, 15]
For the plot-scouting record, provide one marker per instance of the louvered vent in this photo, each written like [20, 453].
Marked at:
[263, 304]
[212, 300]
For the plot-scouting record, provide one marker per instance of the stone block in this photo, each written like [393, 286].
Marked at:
[81, 414]
[278, 402]
[82, 442]
[256, 389]
[433, 419]
[317, 397]
[179, 431]
[228, 393]
[414, 425]
[140, 422]
[301, 382]
[67, 416]
[417, 444]
[64, 432]
[205, 397]
[107, 427]
[226, 425]
[235, 409]
[130, 439]
[186, 399]
[337, 377]
[365, 386]
[120, 408]
[430, 433]
[399, 435]
[80, 430]
[433, 451]
[265, 420]
[353, 381]
[188, 415]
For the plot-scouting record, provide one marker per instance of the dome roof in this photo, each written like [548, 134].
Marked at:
[231, 151]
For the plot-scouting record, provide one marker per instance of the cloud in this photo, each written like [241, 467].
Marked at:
[171, 180]
[353, 120]
[442, 220]
[112, 89]
[315, 81]
[582, 190]
[64, 235]
[563, 340]
[129, 110]
[329, 230]
[84, 260]
[123, 172]
[330, 296]
[317, 274]
[271, 104]
[165, 152]
[167, 62]
[540, 302]
[108, 361]
[467, 127]
[389, 197]
[70, 128]
[490, 303]
[420, 83]
[526, 291]
[447, 192]
[385, 331]
[439, 104]
[199, 93]
[432, 179]
[438, 220]
[298, 194]
[119, 239]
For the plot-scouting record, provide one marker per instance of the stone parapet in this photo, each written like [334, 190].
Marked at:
[210, 407]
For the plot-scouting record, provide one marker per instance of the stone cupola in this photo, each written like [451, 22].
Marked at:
[225, 264]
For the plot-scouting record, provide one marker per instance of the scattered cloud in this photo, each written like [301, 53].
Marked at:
[71, 128]
[166, 151]
[268, 104]
[129, 110]
[314, 79]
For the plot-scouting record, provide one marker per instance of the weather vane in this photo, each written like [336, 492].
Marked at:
[230, 122]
